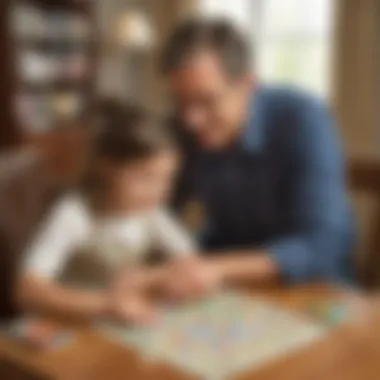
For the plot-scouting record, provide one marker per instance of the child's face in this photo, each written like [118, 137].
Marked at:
[143, 184]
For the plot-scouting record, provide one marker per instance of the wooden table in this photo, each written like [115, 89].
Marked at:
[350, 352]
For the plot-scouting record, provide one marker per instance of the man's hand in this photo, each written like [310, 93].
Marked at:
[191, 278]
[194, 277]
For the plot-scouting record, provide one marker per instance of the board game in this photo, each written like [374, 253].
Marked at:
[220, 336]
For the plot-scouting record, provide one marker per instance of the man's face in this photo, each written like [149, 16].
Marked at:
[212, 105]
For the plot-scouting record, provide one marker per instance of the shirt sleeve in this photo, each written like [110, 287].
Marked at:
[54, 242]
[318, 237]
[170, 236]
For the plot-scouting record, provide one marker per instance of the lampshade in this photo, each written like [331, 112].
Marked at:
[134, 31]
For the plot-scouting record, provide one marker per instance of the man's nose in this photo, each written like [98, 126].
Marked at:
[195, 119]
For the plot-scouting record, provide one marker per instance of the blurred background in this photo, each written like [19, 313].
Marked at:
[59, 56]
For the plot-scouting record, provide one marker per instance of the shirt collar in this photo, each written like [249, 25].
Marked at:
[252, 138]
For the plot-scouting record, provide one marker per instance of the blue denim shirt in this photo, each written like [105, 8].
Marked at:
[281, 188]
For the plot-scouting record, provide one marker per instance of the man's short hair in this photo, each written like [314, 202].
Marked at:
[217, 35]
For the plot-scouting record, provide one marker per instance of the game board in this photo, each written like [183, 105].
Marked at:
[220, 336]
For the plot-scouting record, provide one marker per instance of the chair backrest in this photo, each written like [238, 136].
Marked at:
[365, 186]
[23, 199]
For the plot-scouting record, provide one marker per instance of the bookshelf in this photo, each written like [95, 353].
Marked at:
[54, 52]
[54, 55]
[77, 5]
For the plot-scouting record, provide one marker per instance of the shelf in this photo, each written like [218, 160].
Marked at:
[73, 5]
[37, 101]
[56, 86]
[47, 44]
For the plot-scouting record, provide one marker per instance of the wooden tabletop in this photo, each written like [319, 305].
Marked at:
[349, 352]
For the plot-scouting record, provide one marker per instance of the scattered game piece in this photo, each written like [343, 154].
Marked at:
[331, 313]
[40, 334]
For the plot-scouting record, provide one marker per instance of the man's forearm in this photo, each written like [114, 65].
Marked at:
[246, 266]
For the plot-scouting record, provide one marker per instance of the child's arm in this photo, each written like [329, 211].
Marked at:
[51, 299]
[37, 288]
[171, 237]
[45, 296]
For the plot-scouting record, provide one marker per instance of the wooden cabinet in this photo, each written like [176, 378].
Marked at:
[63, 152]
[9, 134]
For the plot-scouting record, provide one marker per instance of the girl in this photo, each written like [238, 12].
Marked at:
[112, 222]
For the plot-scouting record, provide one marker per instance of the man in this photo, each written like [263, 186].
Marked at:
[262, 165]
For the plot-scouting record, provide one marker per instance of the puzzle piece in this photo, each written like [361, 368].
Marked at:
[220, 336]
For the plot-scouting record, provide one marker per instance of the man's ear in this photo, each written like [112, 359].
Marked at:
[247, 84]
[250, 81]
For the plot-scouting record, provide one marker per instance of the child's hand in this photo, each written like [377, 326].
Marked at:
[191, 278]
[131, 308]
[38, 333]
[128, 297]
[131, 280]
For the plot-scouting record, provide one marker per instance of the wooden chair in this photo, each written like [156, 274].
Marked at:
[23, 199]
[365, 185]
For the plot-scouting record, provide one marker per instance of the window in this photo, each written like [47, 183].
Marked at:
[292, 38]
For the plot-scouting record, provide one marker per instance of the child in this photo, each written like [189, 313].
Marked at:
[110, 223]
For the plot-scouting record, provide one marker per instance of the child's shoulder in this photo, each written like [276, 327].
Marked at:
[73, 208]
[163, 217]
[160, 213]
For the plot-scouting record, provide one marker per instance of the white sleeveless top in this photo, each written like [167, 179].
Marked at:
[72, 245]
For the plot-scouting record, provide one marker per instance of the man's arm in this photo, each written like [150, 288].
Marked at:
[245, 266]
[318, 235]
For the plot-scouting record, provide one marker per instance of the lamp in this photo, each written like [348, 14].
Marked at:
[133, 31]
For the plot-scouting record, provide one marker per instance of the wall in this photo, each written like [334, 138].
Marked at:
[124, 73]
[357, 76]
[112, 77]
[357, 104]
